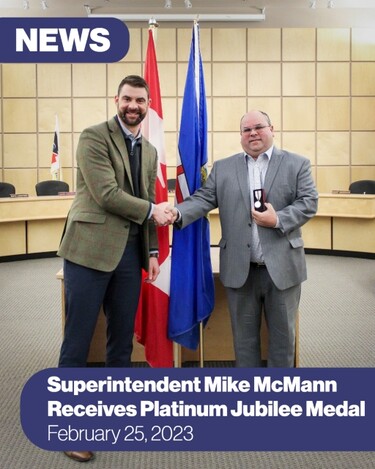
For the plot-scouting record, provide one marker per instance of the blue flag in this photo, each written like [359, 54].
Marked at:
[192, 285]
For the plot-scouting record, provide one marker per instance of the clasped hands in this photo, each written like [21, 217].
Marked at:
[164, 214]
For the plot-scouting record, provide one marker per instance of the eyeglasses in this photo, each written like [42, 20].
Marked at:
[257, 128]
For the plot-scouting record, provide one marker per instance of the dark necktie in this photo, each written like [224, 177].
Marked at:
[134, 158]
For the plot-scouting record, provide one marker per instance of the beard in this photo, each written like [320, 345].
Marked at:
[131, 119]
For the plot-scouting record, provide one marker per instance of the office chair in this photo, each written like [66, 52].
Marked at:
[6, 189]
[171, 185]
[51, 187]
[365, 186]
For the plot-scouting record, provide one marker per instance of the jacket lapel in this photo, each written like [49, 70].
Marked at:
[119, 141]
[243, 179]
[272, 170]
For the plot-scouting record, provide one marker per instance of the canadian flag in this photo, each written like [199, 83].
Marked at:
[151, 326]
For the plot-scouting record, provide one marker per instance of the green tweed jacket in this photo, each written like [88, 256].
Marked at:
[99, 220]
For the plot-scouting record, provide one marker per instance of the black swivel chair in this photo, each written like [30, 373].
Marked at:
[6, 189]
[365, 186]
[51, 187]
[171, 185]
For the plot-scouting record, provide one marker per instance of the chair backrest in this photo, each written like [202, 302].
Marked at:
[365, 186]
[6, 189]
[171, 185]
[51, 187]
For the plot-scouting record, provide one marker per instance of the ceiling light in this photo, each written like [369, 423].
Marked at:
[88, 9]
[330, 4]
[188, 3]
[168, 4]
[184, 17]
[25, 4]
[44, 4]
[313, 4]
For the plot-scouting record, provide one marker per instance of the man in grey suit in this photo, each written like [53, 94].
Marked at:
[110, 232]
[262, 260]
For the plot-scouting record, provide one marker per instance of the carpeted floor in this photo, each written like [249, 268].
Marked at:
[337, 324]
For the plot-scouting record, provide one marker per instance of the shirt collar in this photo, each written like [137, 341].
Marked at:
[268, 153]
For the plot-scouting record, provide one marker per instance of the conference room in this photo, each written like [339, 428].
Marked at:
[310, 65]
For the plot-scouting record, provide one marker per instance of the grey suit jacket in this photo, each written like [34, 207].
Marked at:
[98, 223]
[290, 189]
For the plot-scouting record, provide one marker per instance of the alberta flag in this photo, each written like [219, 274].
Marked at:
[192, 285]
[151, 328]
[55, 160]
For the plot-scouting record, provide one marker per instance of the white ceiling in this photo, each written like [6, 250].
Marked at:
[279, 13]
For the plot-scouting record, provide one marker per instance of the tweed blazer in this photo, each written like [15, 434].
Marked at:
[290, 189]
[98, 223]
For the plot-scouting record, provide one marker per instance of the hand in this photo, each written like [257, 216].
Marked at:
[153, 270]
[162, 214]
[268, 218]
[175, 214]
[173, 211]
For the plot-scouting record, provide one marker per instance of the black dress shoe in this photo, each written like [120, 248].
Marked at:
[80, 456]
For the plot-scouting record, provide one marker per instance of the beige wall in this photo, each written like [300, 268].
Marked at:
[318, 85]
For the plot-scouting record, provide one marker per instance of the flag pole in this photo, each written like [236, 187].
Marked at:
[201, 345]
[151, 324]
[201, 328]
[153, 24]
[176, 355]
[192, 289]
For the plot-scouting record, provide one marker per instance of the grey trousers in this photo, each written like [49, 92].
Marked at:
[280, 307]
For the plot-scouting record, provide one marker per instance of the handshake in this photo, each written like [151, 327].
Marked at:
[164, 214]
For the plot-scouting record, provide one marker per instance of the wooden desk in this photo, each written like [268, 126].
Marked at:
[30, 225]
[344, 222]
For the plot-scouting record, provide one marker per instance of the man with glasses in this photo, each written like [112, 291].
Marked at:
[264, 196]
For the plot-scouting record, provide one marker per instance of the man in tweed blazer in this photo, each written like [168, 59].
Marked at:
[110, 234]
[262, 260]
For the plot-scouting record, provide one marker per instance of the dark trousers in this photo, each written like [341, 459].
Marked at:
[86, 290]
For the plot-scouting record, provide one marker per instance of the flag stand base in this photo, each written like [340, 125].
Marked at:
[177, 360]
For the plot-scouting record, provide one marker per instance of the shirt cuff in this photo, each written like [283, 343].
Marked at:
[179, 216]
[278, 224]
[150, 210]
[153, 254]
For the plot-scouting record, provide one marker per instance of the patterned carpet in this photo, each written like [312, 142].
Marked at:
[337, 324]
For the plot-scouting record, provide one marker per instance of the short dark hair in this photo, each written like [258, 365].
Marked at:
[136, 81]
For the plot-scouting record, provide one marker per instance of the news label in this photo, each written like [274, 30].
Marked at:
[70, 40]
